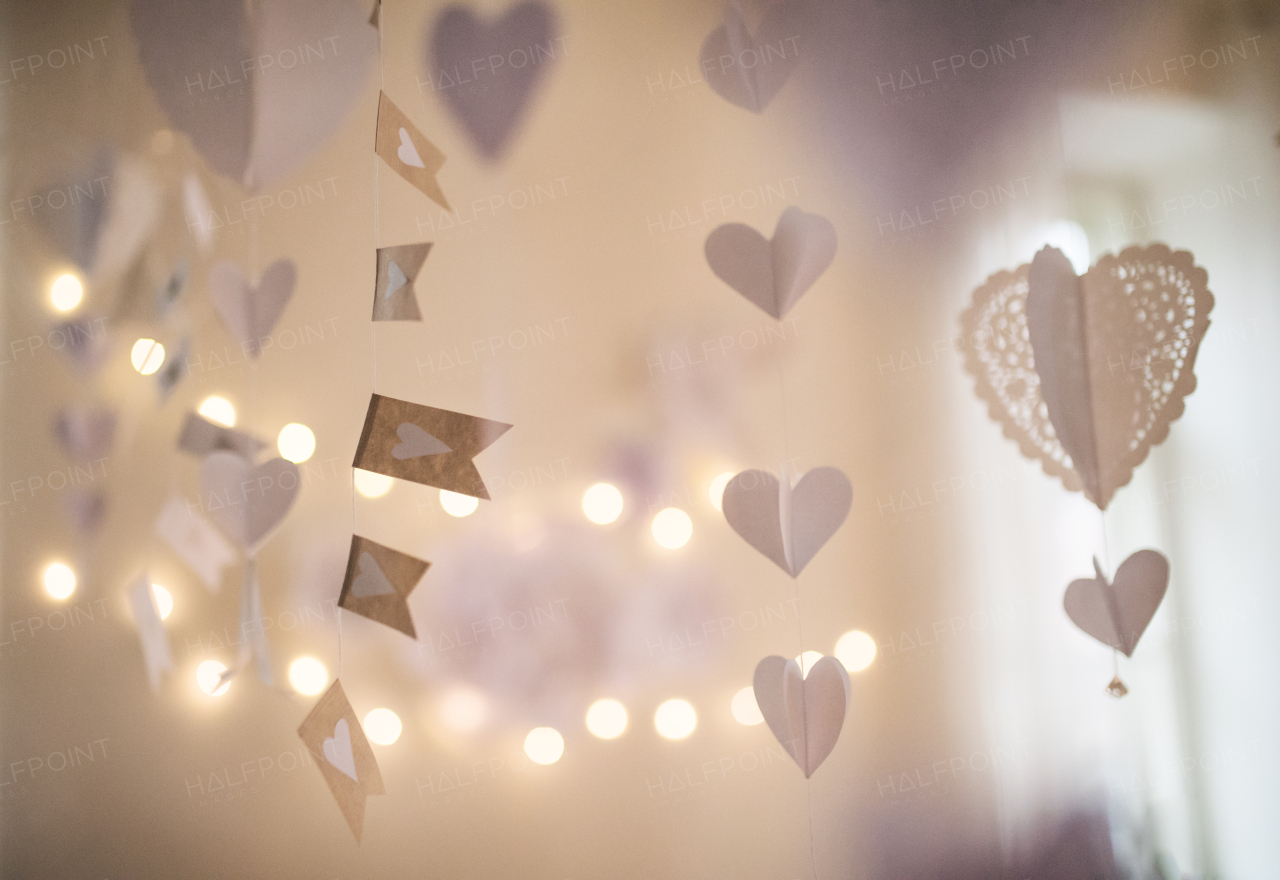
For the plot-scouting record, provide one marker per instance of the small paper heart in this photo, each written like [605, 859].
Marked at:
[407, 152]
[1117, 613]
[396, 279]
[773, 273]
[371, 581]
[805, 713]
[415, 443]
[247, 502]
[337, 749]
[250, 312]
[788, 524]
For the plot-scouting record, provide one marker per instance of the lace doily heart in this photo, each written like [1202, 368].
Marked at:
[1116, 347]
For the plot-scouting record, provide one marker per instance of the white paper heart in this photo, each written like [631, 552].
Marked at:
[247, 502]
[1117, 614]
[748, 71]
[337, 749]
[804, 713]
[789, 524]
[775, 273]
[371, 581]
[396, 279]
[415, 443]
[407, 152]
[250, 313]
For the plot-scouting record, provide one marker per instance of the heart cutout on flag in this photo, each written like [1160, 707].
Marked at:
[247, 502]
[371, 581]
[789, 524]
[407, 152]
[415, 443]
[749, 70]
[805, 713]
[250, 312]
[337, 749]
[773, 273]
[1117, 613]
[396, 279]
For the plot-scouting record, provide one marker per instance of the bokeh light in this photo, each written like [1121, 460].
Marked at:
[745, 709]
[856, 650]
[675, 719]
[607, 719]
[372, 485]
[59, 580]
[308, 676]
[147, 356]
[464, 709]
[544, 745]
[602, 503]
[209, 677]
[716, 490]
[672, 528]
[164, 601]
[382, 726]
[296, 442]
[66, 293]
[218, 409]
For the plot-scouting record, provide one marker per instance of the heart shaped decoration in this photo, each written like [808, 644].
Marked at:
[1087, 373]
[805, 713]
[415, 443]
[407, 152]
[486, 72]
[1117, 613]
[337, 749]
[247, 502]
[748, 71]
[250, 313]
[396, 279]
[774, 273]
[259, 89]
[86, 434]
[370, 581]
[789, 524]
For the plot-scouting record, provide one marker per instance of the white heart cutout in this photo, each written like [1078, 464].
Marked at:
[789, 524]
[407, 152]
[371, 581]
[773, 273]
[396, 279]
[806, 714]
[415, 443]
[247, 502]
[337, 749]
[250, 312]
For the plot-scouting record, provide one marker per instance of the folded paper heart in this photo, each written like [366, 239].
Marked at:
[749, 70]
[789, 524]
[773, 273]
[250, 312]
[805, 713]
[1117, 613]
[247, 502]
[337, 749]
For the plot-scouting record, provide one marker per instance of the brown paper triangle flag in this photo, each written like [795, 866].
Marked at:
[378, 583]
[431, 446]
[394, 296]
[408, 151]
[333, 735]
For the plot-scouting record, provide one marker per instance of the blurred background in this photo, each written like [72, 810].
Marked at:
[567, 294]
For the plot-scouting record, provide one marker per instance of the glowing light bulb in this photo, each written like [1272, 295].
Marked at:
[675, 719]
[382, 726]
[464, 709]
[164, 601]
[59, 580]
[856, 650]
[66, 293]
[209, 677]
[607, 719]
[806, 661]
[308, 676]
[458, 505]
[602, 503]
[672, 528]
[218, 409]
[544, 745]
[745, 708]
[372, 485]
[296, 442]
[147, 356]
[716, 489]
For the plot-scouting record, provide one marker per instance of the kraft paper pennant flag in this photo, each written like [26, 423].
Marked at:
[253, 631]
[200, 436]
[195, 540]
[247, 502]
[394, 297]
[259, 89]
[426, 445]
[250, 312]
[1117, 613]
[491, 99]
[774, 273]
[748, 71]
[1086, 374]
[378, 583]
[86, 433]
[408, 151]
[789, 524]
[151, 631]
[805, 713]
[333, 735]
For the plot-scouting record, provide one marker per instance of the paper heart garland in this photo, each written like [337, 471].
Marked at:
[259, 89]
[805, 713]
[745, 70]
[1087, 373]
[250, 312]
[247, 502]
[1117, 613]
[378, 582]
[332, 733]
[774, 273]
[490, 107]
[337, 749]
[789, 524]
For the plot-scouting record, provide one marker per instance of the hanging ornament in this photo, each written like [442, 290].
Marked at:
[805, 712]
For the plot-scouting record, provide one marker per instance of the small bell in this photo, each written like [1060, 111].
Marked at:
[1117, 688]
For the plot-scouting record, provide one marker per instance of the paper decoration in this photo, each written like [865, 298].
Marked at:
[85, 508]
[86, 433]
[408, 151]
[773, 273]
[198, 211]
[394, 297]
[151, 631]
[378, 583]
[491, 107]
[250, 312]
[333, 735]
[195, 540]
[144, 298]
[745, 70]
[174, 369]
[1087, 374]
[247, 502]
[253, 641]
[426, 445]
[258, 89]
[200, 436]
[1117, 613]
[805, 713]
[789, 524]
[86, 342]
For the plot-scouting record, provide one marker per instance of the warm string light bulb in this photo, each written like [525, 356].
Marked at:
[372, 485]
[209, 677]
[544, 745]
[856, 650]
[59, 580]
[296, 442]
[382, 726]
[147, 356]
[607, 719]
[602, 503]
[675, 719]
[164, 601]
[672, 528]
[308, 676]
[66, 293]
[745, 708]
[455, 504]
[218, 409]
